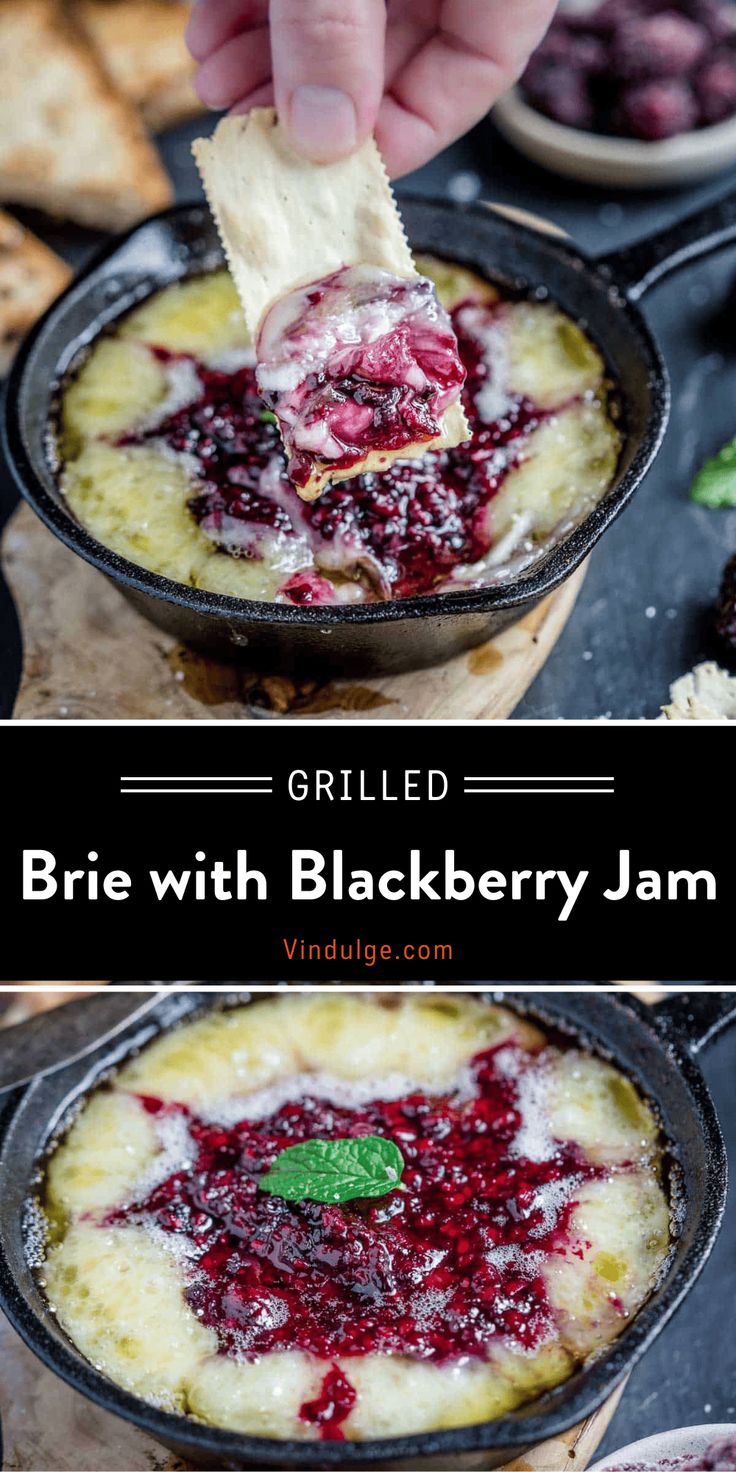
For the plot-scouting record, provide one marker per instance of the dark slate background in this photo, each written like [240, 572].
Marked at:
[643, 616]
[688, 1377]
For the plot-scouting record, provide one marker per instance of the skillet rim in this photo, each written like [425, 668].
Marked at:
[540, 579]
[516, 1430]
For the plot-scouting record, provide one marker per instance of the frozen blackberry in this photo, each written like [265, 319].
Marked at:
[719, 19]
[725, 622]
[715, 89]
[560, 92]
[663, 45]
[575, 47]
[658, 109]
[720, 1455]
[605, 19]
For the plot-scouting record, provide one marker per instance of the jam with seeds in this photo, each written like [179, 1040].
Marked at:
[443, 1266]
[360, 361]
[332, 1406]
[403, 531]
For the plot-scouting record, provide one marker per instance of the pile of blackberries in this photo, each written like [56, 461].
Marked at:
[646, 69]
[726, 607]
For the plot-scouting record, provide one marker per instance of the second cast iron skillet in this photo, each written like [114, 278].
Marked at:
[400, 634]
[657, 1047]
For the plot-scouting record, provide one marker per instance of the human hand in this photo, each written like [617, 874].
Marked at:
[417, 72]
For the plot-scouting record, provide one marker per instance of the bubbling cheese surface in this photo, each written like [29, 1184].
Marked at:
[529, 1226]
[170, 457]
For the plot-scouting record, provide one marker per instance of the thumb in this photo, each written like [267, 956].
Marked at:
[327, 59]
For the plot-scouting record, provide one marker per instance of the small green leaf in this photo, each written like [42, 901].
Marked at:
[715, 482]
[335, 1170]
[266, 417]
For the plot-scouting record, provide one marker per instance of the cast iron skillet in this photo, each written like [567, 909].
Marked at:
[406, 633]
[655, 1046]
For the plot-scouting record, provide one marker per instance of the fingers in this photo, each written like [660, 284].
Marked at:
[324, 67]
[327, 58]
[213, 22]
[508, 46]
[406, 141]
[449, 83]
[235, 69]
[262, 97]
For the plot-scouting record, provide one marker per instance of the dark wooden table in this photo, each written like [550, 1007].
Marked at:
[643, 616]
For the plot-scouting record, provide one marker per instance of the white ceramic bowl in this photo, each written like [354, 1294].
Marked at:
[618, 162]
[686, 1441]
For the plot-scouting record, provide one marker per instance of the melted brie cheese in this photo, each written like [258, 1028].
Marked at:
[135, 498]
[119, 1289]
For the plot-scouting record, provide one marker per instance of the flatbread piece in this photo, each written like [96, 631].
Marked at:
[141, 43]
[70, 144]
[31, 276]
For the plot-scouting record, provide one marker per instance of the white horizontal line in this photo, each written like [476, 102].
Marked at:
[220, 778]
[622, 988]
[565, 778]
[211, 791]
[533, 791]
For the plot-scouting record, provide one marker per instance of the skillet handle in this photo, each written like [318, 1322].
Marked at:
[695, 1018]
[642, 265]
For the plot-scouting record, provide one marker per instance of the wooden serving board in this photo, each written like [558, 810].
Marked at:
[88, 655]
[48, 1427]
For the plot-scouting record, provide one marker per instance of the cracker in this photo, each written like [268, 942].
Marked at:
[454, 431]
[707, 693]
[285, 222]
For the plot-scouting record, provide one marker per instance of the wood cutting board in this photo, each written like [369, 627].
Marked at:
[48, 1427]
[88, 655]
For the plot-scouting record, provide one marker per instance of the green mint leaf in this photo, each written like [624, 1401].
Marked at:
[266, 417]
[335, 1170]
[715, 482]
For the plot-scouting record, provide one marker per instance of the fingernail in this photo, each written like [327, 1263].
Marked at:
[323, 122]
[208, 88]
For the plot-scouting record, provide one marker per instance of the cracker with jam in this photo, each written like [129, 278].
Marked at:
[356, 358]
